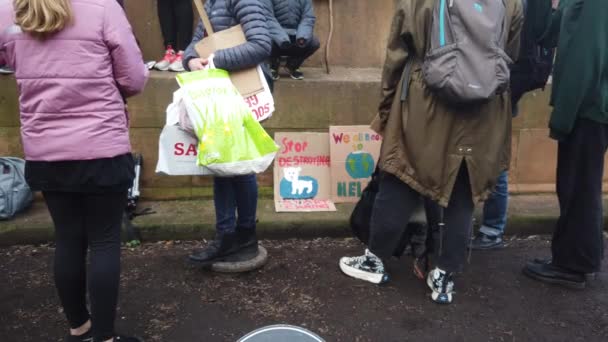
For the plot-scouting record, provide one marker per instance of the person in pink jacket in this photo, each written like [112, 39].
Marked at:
[75, 62]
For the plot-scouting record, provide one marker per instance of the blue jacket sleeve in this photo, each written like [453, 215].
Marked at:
[277, 33]
[307, 23]
[190, 52]
[251, 14]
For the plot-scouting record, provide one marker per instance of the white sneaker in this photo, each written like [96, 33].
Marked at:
[367, 267]
[177, 65]
[442, 285]
[4, 70]
[163, 64]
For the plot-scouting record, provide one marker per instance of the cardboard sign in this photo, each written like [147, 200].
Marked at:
[246, 80]
[301, 173]
[354, 152]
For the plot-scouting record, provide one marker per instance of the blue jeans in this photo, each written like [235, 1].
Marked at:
[232, 195]
[495, 208]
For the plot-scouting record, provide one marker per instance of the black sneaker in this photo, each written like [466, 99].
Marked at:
[275, 74]
[295, 74]
[86, 337]
[485, 242]
[442, 285]
[121, 338]
[367, 267]
[222, 246]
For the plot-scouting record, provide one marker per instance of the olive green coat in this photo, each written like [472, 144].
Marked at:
[426, 141]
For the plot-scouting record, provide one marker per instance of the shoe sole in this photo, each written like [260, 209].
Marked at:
[366, 276]
[296, 78]
[173, 70]
[561, 282]
[161, 69]
[499, 246]
[208, 263]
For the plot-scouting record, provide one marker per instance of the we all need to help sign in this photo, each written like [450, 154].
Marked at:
[354, 152]
[302, 173]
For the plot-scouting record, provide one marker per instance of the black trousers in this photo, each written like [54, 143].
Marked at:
[88, 222]
[176, 20]
[394, 206]
[578, 243]
[296, 55]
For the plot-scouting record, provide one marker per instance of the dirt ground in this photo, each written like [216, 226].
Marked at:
[164, 299]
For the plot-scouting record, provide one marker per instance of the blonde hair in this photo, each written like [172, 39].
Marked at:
[42, 17]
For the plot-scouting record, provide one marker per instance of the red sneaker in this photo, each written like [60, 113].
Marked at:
[177, 65]
[163, 64]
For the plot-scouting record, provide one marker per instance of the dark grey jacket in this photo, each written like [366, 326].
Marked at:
[223, 14]
[296, 17]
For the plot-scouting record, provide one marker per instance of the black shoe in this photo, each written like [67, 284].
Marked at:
[485, 242]
[247, 240]
[221, 247]
[548, 261]
[275, 74]
[86, 337]
[121, 338]
[552, 274]
[295, 74]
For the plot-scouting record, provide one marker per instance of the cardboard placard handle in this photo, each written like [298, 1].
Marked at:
[204, 16]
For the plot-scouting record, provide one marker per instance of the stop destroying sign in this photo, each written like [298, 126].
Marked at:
[281, 333]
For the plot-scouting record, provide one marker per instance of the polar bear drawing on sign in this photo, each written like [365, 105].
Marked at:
[292, 174]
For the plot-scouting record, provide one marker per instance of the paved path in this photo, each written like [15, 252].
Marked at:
[162, 299]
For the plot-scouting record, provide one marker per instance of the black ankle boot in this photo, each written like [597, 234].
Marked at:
[222, 246]
[247, 240]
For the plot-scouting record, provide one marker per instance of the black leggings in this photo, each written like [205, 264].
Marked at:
[88, 221]
[176, 20]
[397, 201]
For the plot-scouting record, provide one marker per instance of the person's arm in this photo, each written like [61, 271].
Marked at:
[130, 72]
[278, 34]
[251, 14]
[580, 87]
[307, 23]
[396, 56]
[514, 38]
[550, 38]
[190, 52]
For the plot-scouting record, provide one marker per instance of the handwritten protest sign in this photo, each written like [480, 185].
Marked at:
[354, 151]
[301, 173]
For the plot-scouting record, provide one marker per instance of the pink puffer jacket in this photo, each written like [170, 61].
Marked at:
[72, 84]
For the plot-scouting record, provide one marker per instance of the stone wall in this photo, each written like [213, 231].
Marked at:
[349, 96]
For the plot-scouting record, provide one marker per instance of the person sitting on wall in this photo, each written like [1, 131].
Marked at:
[293, 37]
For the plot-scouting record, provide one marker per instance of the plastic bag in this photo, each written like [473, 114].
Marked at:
[230, 141]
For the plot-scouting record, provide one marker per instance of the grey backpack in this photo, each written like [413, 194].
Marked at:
[466, 61]
[15, 194]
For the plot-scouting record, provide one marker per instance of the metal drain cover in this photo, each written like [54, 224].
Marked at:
[281, 333]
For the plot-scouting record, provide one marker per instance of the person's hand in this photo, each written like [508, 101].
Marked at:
[197, 63]
[555, 3]
[301, 42]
